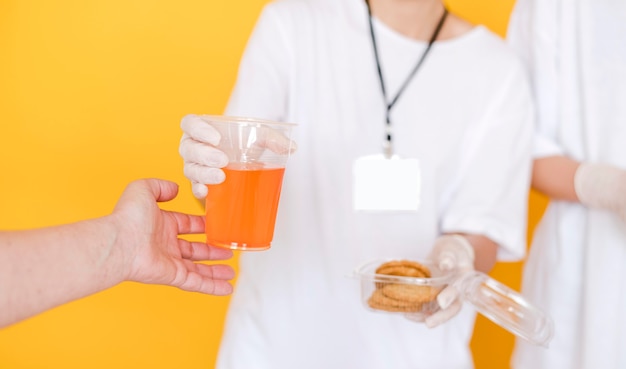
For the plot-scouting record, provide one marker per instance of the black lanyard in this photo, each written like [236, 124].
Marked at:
[387, 143]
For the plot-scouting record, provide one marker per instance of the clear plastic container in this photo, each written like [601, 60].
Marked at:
[405, 294]
[506, 307]
[497, 302]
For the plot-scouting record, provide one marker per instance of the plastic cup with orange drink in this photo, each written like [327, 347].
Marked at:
[241, 211]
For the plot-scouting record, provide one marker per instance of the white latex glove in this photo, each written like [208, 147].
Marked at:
[202, 159]
[450, 253]
[601, 186]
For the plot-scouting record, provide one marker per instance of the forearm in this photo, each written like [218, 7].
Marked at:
[485, 252]
[554, 177]
[44, 268]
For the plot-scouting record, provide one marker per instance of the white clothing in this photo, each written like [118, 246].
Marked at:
[575, 51]
[467, 116]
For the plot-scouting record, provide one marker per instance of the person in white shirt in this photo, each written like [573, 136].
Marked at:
[466, 115]
[574, 51]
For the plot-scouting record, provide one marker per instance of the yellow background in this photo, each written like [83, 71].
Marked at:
[91, 95]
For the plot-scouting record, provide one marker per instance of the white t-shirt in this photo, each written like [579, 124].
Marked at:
[466, 116]
[576, 271]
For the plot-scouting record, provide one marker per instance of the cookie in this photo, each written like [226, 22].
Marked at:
[409, 293]
[392, 296]
[404, 268]
[381, 302]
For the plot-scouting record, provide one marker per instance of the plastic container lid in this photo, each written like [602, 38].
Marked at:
[506, 307]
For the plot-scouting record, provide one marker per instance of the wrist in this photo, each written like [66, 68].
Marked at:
[114, 252]
[601, 186]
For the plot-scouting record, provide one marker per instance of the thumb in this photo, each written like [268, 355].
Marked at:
[155, 189]
[446, 261]
[446, 297]
[443, 315]
[279, 143]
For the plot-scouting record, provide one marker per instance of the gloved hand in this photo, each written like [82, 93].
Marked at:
[601, 186]
[450, 253]
[202, 159]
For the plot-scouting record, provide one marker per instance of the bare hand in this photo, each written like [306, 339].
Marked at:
[153, 252]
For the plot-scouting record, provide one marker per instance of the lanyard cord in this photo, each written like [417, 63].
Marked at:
[388, 105]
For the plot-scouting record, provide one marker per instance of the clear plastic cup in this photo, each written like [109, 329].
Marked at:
[241, 211]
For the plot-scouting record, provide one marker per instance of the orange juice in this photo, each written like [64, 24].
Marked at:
[241, 211]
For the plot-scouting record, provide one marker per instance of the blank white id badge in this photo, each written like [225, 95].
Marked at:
[381, 184]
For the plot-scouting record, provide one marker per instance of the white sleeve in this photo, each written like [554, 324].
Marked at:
[490, 195]
[261, 90]
[532, 35]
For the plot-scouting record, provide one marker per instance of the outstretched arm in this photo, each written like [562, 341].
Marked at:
[44, 268]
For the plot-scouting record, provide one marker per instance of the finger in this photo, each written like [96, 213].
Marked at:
[198, 283]
[198, 251]
[278, 143]
[199, 190]
[443, 315]
[209, 279]
[215, 287]
[416, 317]
[203, 174]
[187, 223]
[197, 152]
[199, 129]
[446, 263]
[157, 189]
[215, 271]
[447, 296]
